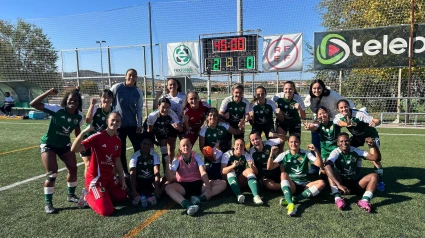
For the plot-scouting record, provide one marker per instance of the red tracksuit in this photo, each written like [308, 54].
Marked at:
[103, 187]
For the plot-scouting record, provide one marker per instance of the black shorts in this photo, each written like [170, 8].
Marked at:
[58, 150]
[261, 129]
[354, 186]
[275, 176]
[299, 188]
[173, 133]
[292, 128]
[86, 153]
[145, 186]
[357, 141]
[192, 188]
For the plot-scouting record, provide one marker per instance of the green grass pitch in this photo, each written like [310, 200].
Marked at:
[398, 212]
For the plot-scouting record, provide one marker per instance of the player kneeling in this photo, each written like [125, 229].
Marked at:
[144, 172]
[294, 168]
[240, 169]
[102, 186]
[189, 172]
[347, 161]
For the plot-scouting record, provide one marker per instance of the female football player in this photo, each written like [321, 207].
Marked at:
[96, 116]
[262, 112]
[194, 114]
[102, 187]
[294, 168]
[187, 169]
[361, 125]
[239, 167]
[160, 122]
[66, 118]
[212, 132]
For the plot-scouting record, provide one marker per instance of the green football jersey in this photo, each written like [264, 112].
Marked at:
[263, 115]
[61, 125]
[289, 111]
[328, 138]
[98, 120]
[360, 125]
[144, 166]
[348, 165]
[213, 135]
[260, 157]
[296, 165]
[228, 159]
[236, 111]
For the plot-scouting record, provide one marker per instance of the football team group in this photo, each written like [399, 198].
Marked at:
[331, 162]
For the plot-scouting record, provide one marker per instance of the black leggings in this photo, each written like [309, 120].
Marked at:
[123, 132]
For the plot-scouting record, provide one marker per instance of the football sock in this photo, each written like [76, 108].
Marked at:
[233, 182]
[203, 198]
[367, 196]
[286, 189]
[253, 185]
[185, 204]
[335, 192]
[71, 187]
[380, 173]
[164, 153]
[48, 194]
[310, 192]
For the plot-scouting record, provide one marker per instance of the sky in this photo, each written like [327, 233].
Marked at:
[79, 24]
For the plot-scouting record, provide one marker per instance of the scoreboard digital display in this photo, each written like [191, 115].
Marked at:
[230, 54]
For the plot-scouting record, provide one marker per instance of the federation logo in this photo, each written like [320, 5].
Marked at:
[332, 50]
[182, 55]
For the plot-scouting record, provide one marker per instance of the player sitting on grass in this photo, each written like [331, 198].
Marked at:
[240, 169]
[66, 118]
[361, 125]
[102, 186]
[189, 172]
[294, 166]
[260, 152]
[144, 171]
[347, 161]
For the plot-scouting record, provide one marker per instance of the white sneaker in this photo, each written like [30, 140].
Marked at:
[241, 198]
[191, 210]
[82, 201]
[257, 200]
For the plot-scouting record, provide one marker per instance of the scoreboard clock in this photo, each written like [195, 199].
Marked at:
[230, 54]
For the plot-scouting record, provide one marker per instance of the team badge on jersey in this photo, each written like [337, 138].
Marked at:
[75, 121]
[242, 162]
[267, 151]
[241, 108]
[300, 158]
[102, 189]
[266, 110]
[150, 162]
[219, 132]
[69, 119]
[116, 147]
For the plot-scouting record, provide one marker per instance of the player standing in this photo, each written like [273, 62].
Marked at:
[293, 110]
[96, 116]
[102, 185]
[262, 112]
[66, 118]
[235, 110]
[194, 114]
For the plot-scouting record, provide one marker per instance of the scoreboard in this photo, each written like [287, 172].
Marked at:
[230, 54]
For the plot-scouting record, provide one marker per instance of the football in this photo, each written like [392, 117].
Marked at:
[208, 151]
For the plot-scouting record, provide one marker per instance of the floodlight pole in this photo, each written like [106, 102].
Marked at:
[409, 81]
[239, 20]
[151, 48]
[101, 61]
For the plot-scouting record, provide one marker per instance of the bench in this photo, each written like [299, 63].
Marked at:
[23, 107]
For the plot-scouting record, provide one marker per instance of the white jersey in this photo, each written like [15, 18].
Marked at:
[177, 104]
[328, 101]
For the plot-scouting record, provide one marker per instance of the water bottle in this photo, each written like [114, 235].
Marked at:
[144, 201]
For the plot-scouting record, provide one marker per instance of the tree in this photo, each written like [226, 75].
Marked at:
[27, 53]
[355, 14]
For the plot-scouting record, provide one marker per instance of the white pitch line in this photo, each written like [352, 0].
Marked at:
[37, 177]
[22, 123]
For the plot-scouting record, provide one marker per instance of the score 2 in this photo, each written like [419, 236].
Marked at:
[213, 63]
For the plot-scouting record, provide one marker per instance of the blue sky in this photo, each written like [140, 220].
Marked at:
[79, 24]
